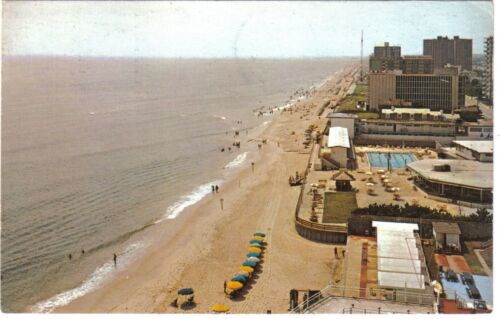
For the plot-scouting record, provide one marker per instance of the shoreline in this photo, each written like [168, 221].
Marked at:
[149, 283]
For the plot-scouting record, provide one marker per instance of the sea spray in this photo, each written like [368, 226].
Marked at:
[237, 161]
[93, 281]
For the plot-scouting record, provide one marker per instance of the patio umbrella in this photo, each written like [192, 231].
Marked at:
[387, 180]
[234, 285]
[247, 269]
[253, 254]
[254, 249]
[243, 273]
[369, 173]
[185, 291]
[370, 184]
[220, 308]
[255, 241]
[256, 245]
[260, 234]
[240, 278]
[249, 264]
[253, 259]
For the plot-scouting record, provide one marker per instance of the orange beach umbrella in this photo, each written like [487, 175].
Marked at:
[220, 308]
[234, 285]
[247, 269]
[254, 249]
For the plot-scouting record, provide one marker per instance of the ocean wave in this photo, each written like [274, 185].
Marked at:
[93, 281]
[237, 161]
[187, 200]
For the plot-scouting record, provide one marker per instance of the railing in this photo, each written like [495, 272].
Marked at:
[400, 296]
[323, 227]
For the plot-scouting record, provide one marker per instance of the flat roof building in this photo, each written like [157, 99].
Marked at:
[475, 150]
[435, 91]
[461, 180]
[338, 152]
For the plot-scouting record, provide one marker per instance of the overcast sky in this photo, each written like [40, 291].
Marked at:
[235, 29]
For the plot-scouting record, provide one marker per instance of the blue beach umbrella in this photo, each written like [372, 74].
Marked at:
[260, 234]
[255, 241]
[240, 278]
[253, 254]
[249, 264]
[256, 245]
[185, 291]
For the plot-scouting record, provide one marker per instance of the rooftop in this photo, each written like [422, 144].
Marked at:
[342, 115]
[462, 172]
[446, 228]
[338, 137]
[478, 146]
[399, 264]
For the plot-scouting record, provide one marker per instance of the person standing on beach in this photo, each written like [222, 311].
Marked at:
[114, 259]
[225, 286]
[213, 188]
[216, 188]
[69, 256]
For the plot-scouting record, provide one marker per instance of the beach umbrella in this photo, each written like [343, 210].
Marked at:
[254, 249]
[370, 184]
[260, 234]
[255, 259]
[247, 269]
[249, 264]
[185, 291]
[220, 308]
[240, 278]
[234, 285]
[383, 177]
[256, 245]
[253, 254]
[258, 238]
[243, 273]
[255, 241]
[387, 180]
[369, 173]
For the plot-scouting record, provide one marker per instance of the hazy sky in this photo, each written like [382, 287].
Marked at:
[235, 29]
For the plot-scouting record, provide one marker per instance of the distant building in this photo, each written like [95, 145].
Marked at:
[453, 51]
[409, 64]
[387, 51]
[339, 146]
[343, 120]
[435, 91]
[488, 69]
[475, 150]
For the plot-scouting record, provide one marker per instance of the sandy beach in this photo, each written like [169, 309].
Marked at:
[210, 243]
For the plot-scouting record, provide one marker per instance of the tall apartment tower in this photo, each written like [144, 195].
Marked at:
[387, 51]
[454, 51]
[488, 69]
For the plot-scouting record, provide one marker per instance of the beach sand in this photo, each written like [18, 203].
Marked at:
[210, 243]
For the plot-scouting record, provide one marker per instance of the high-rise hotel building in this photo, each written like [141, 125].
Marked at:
[445, 51]
[488, 69]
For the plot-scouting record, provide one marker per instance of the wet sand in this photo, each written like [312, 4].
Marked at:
[211, 243]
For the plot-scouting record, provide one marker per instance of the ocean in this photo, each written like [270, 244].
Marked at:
[97, 150]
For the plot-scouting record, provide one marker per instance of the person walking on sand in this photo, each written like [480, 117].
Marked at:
[225, 286]
[69, 256]
[114, 259]
[213, 188]
[216, 188]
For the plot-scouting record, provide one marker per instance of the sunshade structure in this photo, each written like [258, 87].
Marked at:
[247, 269]
[259, 234]
[234, 285]
[254, 250]
[249, 264]
[255, 259]
[255, 241]
[240, 278]
[370, 184]
[243, 273]
[258, 238]
[253, 254]
[256, 245]
[220, 308]
[185, 291]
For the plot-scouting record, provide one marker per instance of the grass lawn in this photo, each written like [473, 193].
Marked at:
[338, 206]
[471, 258]
[349, 102]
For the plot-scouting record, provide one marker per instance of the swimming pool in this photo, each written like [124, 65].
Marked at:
[398, 160]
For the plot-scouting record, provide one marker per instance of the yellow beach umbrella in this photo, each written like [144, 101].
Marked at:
[234, 285]
[247, 269]
[258, 238]
[254, 249]
[220, 308]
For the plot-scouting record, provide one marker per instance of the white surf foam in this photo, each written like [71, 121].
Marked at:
[187, 200]
[93, 281]
[237, 161]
